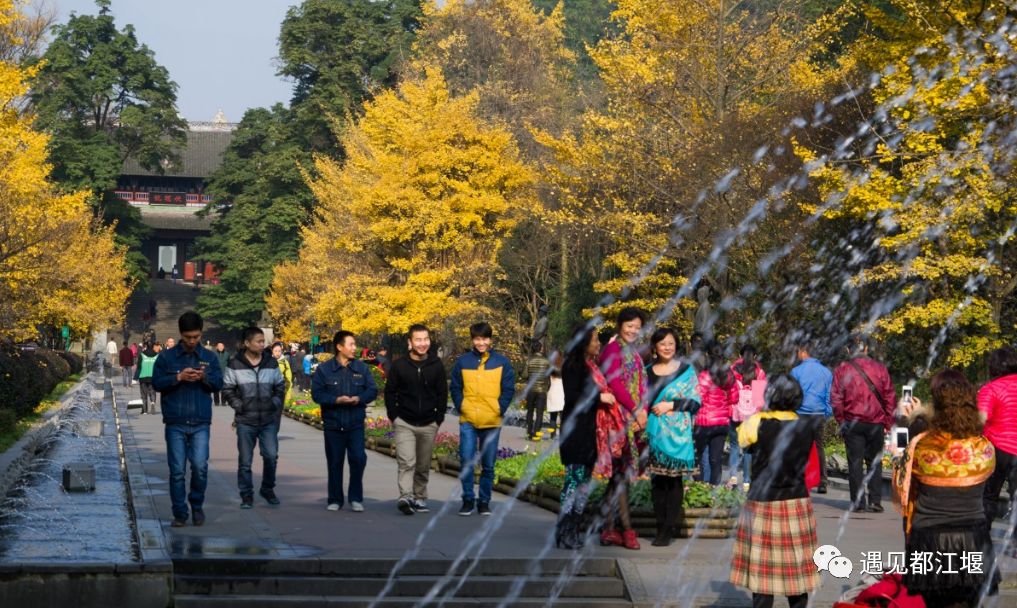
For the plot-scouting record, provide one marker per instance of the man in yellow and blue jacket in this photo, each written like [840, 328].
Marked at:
[482, 386]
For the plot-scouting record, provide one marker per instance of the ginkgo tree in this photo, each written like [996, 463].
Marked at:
[693, 88]
[58, 265]
[409, 228]
[939, 184]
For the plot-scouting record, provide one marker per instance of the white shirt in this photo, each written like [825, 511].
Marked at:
[111, 347]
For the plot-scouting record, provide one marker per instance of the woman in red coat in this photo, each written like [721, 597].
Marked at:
[719, 391]
[997, 401]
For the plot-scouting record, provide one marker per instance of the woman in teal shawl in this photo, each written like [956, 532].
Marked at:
[674, 395]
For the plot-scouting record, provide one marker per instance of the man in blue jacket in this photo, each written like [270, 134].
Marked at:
[186, 376]
[815, 380]
[343, 387]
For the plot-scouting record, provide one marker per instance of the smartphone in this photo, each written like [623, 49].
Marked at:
[902, 438]
[906, 392]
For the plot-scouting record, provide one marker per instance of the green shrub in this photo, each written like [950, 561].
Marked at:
[57, 365]
[75, 361]
[8, 421]
[26, 377]
[22, 382]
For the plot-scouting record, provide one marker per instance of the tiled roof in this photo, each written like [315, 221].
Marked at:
[200, 158]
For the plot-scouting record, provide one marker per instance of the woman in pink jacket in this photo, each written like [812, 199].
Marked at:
[746, 371]
[997, 401]
[719, 391]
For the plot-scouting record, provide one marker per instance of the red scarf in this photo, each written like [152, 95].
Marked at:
[612, 437]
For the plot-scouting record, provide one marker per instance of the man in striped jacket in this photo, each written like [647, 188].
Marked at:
[255, 388]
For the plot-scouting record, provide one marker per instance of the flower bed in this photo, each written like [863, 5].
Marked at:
[710, 512]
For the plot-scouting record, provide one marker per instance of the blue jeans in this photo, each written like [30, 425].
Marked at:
[187, 443]
[338, 446]
[469, 438]
[738, 455]
[267, 438]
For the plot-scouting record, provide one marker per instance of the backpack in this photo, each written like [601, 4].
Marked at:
[749, 401]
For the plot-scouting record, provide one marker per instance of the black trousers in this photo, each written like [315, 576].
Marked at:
[763, 600]
[535, 403]
[148, 396]
[864, 443]
[713, 436]
[1006, 472]
[668, 494]
[817, 423]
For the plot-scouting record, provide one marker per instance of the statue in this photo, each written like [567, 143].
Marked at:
[703, 320]
[540, 327]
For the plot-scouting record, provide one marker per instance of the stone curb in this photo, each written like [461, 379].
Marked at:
[152, 545]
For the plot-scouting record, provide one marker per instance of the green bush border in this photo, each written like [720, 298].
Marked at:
[12, 428]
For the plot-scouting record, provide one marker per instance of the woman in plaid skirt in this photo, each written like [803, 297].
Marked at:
[777, 532]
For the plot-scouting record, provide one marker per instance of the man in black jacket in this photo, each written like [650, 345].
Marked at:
[416, 395]
[255, 388]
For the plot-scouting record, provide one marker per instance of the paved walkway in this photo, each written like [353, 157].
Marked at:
[301, 526]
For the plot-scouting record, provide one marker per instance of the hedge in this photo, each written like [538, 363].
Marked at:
[26, 377]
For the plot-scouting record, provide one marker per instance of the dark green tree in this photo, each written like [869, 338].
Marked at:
[338, 52]
[102, 97]
[586, 22]
[259, 225]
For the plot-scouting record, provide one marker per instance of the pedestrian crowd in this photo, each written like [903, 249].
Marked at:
[669, 411]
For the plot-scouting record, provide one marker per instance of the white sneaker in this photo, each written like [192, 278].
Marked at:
[356, 506]
[733, 482]
[420, 506]
[333, 506]
[745, 487]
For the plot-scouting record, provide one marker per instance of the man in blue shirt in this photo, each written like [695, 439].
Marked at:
[343, 387]
[186, 375]
[815, 380]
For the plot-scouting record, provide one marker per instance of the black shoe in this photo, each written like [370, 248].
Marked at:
[876, 508]
[269, 496]
[246, 502]
[178, 523]
[406, 506]
[858, 509]
[198, 517]
[483, 508]
[821, 490]
[565, 536]
[467, 508]
[663, 538]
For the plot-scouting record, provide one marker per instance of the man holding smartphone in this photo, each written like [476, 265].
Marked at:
[187, 374]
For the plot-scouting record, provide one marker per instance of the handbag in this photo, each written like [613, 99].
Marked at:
[812, 472]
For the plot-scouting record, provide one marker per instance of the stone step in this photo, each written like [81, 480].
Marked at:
[404, 586]
[172, 299]
[256, 601]
[382, 567]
